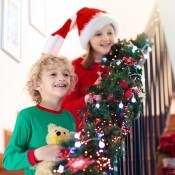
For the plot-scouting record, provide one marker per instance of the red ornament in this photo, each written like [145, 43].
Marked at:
[65, 153]
[123, 84]
[128, 61]
[79, 163]
[128, 93]
[104, 71]
[112, 98]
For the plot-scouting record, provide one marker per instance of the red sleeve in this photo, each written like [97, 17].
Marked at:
[75, 101]
[31, 157]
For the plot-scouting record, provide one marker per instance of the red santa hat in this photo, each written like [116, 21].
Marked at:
[88, 21]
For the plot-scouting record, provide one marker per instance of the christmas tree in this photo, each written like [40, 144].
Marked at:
[107, 120]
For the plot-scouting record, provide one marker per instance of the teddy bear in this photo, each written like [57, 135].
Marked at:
[56, 135]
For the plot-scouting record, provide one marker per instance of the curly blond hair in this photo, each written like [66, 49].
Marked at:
[47, 61]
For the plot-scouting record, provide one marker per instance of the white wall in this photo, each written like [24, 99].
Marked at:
[133, 16]
[167, 18]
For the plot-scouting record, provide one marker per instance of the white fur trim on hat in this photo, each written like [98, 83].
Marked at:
[95, 24]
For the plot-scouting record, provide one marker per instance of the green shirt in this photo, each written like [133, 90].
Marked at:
[30, 133]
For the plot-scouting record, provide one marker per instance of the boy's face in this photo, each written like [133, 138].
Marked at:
[55, 83]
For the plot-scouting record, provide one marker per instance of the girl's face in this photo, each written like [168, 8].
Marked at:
[103, 39]
[54, 84]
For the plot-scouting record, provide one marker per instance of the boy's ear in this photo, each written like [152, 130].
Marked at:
[37, 86]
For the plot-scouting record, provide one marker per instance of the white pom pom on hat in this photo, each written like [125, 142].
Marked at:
[88, 21]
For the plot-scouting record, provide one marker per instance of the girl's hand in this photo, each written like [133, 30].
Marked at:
[48, 153]
[98, 81]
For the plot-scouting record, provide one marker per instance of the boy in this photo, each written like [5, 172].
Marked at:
[51, 79]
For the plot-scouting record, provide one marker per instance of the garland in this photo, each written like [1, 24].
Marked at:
[116, 102]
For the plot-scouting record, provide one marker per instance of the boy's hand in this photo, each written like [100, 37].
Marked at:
[48, 153]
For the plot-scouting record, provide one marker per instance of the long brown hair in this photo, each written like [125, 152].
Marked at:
[88, 58]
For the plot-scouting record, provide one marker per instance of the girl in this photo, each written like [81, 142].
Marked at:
[98, 31]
